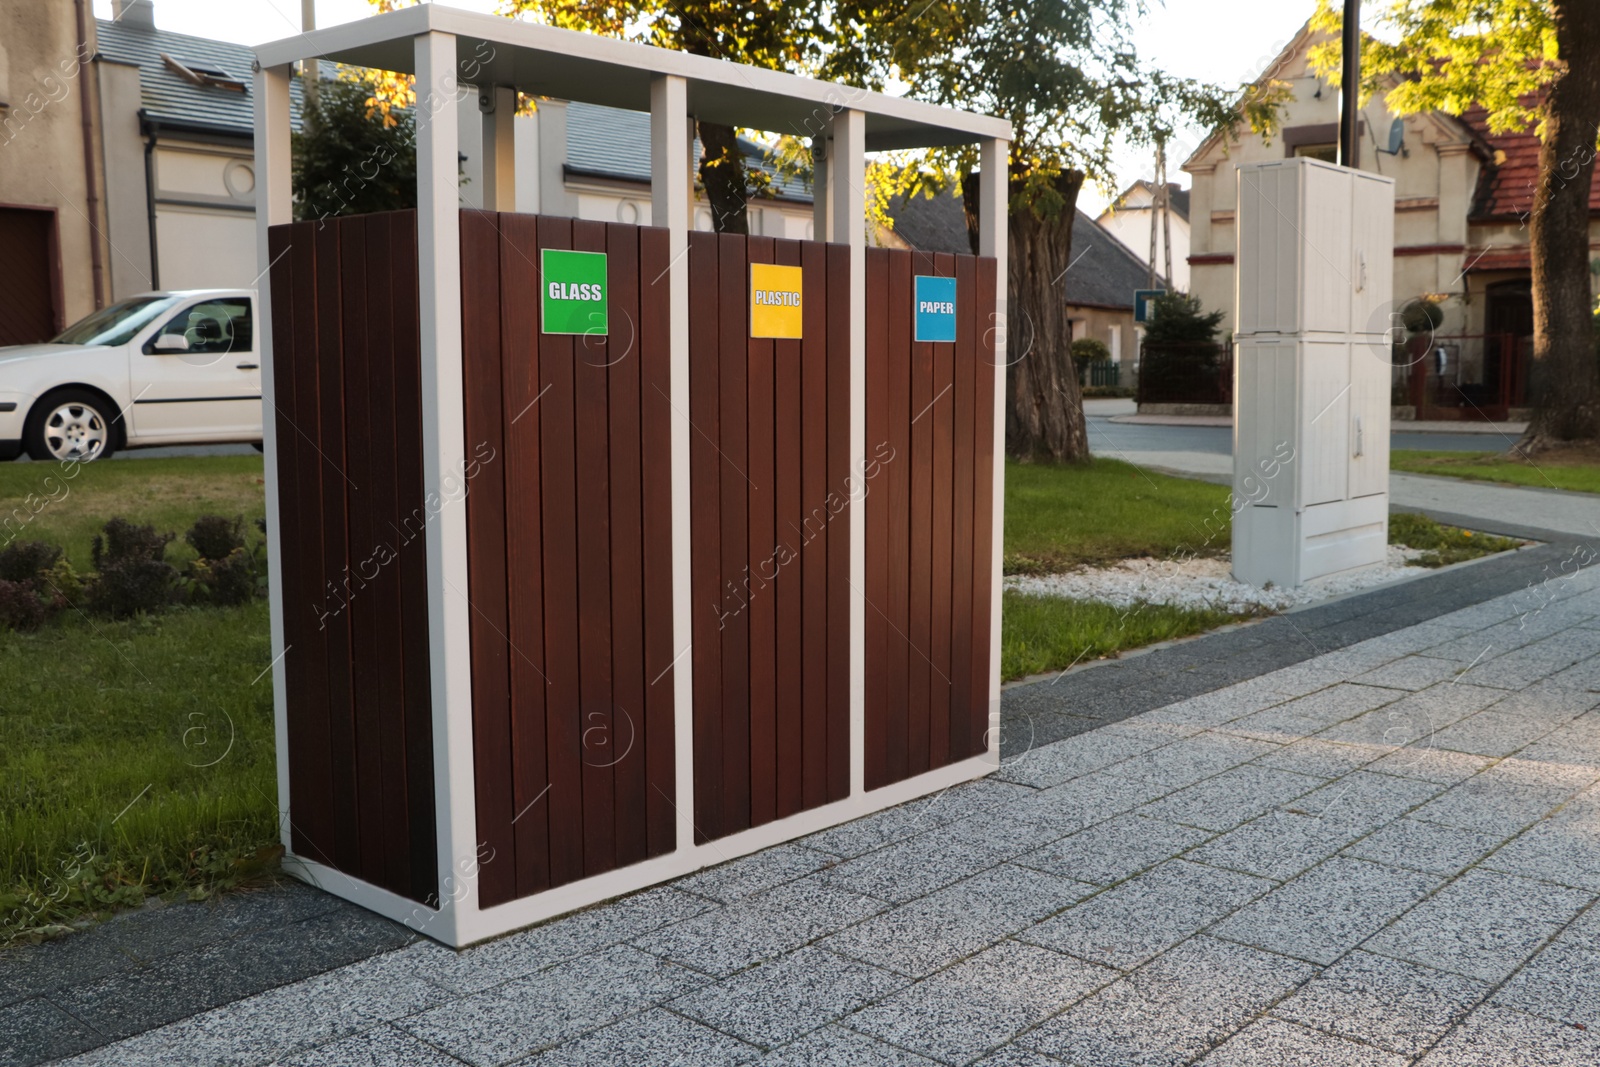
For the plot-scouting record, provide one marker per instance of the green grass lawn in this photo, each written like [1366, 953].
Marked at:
[1040, 633]
[1576, 470]
[136, 757]
[1060, 517]
[67, 505]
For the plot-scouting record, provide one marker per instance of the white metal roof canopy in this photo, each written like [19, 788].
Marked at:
[545, 61]
[446, 49]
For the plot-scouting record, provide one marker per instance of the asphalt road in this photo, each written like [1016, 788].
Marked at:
[1108, 438]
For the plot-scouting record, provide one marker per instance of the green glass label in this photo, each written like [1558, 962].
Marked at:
[575, 296]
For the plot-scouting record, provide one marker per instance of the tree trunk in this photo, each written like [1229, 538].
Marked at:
[1044, 407]
[722, 174]
[1567, 401]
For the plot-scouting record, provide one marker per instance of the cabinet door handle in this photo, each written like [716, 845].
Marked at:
[248, 366]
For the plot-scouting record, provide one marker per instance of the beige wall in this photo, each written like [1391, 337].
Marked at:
[1114, 329]
[43, 75]
[1131, 225]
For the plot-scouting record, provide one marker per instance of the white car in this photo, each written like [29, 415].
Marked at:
[168, 368]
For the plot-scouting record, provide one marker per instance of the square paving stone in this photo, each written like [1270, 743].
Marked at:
[1021, 829]
[657, 1038]
[920, 937]
[35, 1030]
[1483, 925]
[530, 951]
[1312, 713]
[980, 1003]
[1564, 849]
[1277, 845]
[835, 1046]
[759, 927]
[1561, 983]
[1425, 846]
[1129, 923]
[1114, 850]
[1427, 763]
[1170, 1012]
[1415, 717]
[1271, 1043]
[879, 829]
[1082, 802]
[1496, 1037]
[1221, 705]
[1412, 672]
[1398, 1005]
[1364, 800]
[1062, 761]
[1325, 759]
[531, 1014]
[1328, 910]
[976, 798]
[1192, 760]
[382, 1046]
[1228, 799]
[752, 874]
[1493, 805]
[909, 869]
[1494, 731]
[777, 1002]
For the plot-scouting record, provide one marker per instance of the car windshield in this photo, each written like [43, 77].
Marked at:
[116, 324]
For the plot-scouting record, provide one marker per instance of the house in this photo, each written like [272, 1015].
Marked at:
[52, 186]
[1098, 285]
[1462, 197]
[1130, 216]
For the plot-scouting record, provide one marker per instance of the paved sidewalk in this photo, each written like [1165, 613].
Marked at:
[1385, 855]
[1509, 430]
[1482, 506]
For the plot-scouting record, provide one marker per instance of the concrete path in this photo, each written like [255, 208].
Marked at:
[1386, 855]
[1478, 505]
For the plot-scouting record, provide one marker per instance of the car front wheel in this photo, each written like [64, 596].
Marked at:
[72, 425]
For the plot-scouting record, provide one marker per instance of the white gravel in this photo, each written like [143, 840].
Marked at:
[1198, 583]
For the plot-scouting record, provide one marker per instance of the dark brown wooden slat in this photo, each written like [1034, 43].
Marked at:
[288, 359]
[897, 609]
[415, 664]
[592, 354]
[919, 627]
[942, 416]
[558, 474]
[761, 576]
[626, 750]
[366, 712]
[817, 497]
[983, 491]
[655, 433]
[788, 537]
[842, 477]
[876, 652]
[521, 408]
[706, 531]
[963, 400]
[336, 633]
[383, 593]
[733, 274]
[486, 556]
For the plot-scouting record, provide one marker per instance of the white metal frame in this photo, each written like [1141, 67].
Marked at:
[440, 45]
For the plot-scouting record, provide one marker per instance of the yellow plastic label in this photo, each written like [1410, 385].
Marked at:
[775, 301]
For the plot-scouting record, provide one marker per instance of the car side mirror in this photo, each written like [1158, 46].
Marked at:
[172, 342]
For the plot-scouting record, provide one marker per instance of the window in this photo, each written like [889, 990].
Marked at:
[211, 326]
[116, 324]
[1328, 153]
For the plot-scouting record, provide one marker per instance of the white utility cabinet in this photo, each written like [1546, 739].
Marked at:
[1314, 267]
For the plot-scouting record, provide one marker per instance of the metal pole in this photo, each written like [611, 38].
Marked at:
[308, 22]
[1350, 86]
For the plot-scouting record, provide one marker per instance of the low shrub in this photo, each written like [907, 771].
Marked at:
[127, 542]
[228, 581]
[24, 561]
[215, 538]
[22, 607]
[133, 574]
